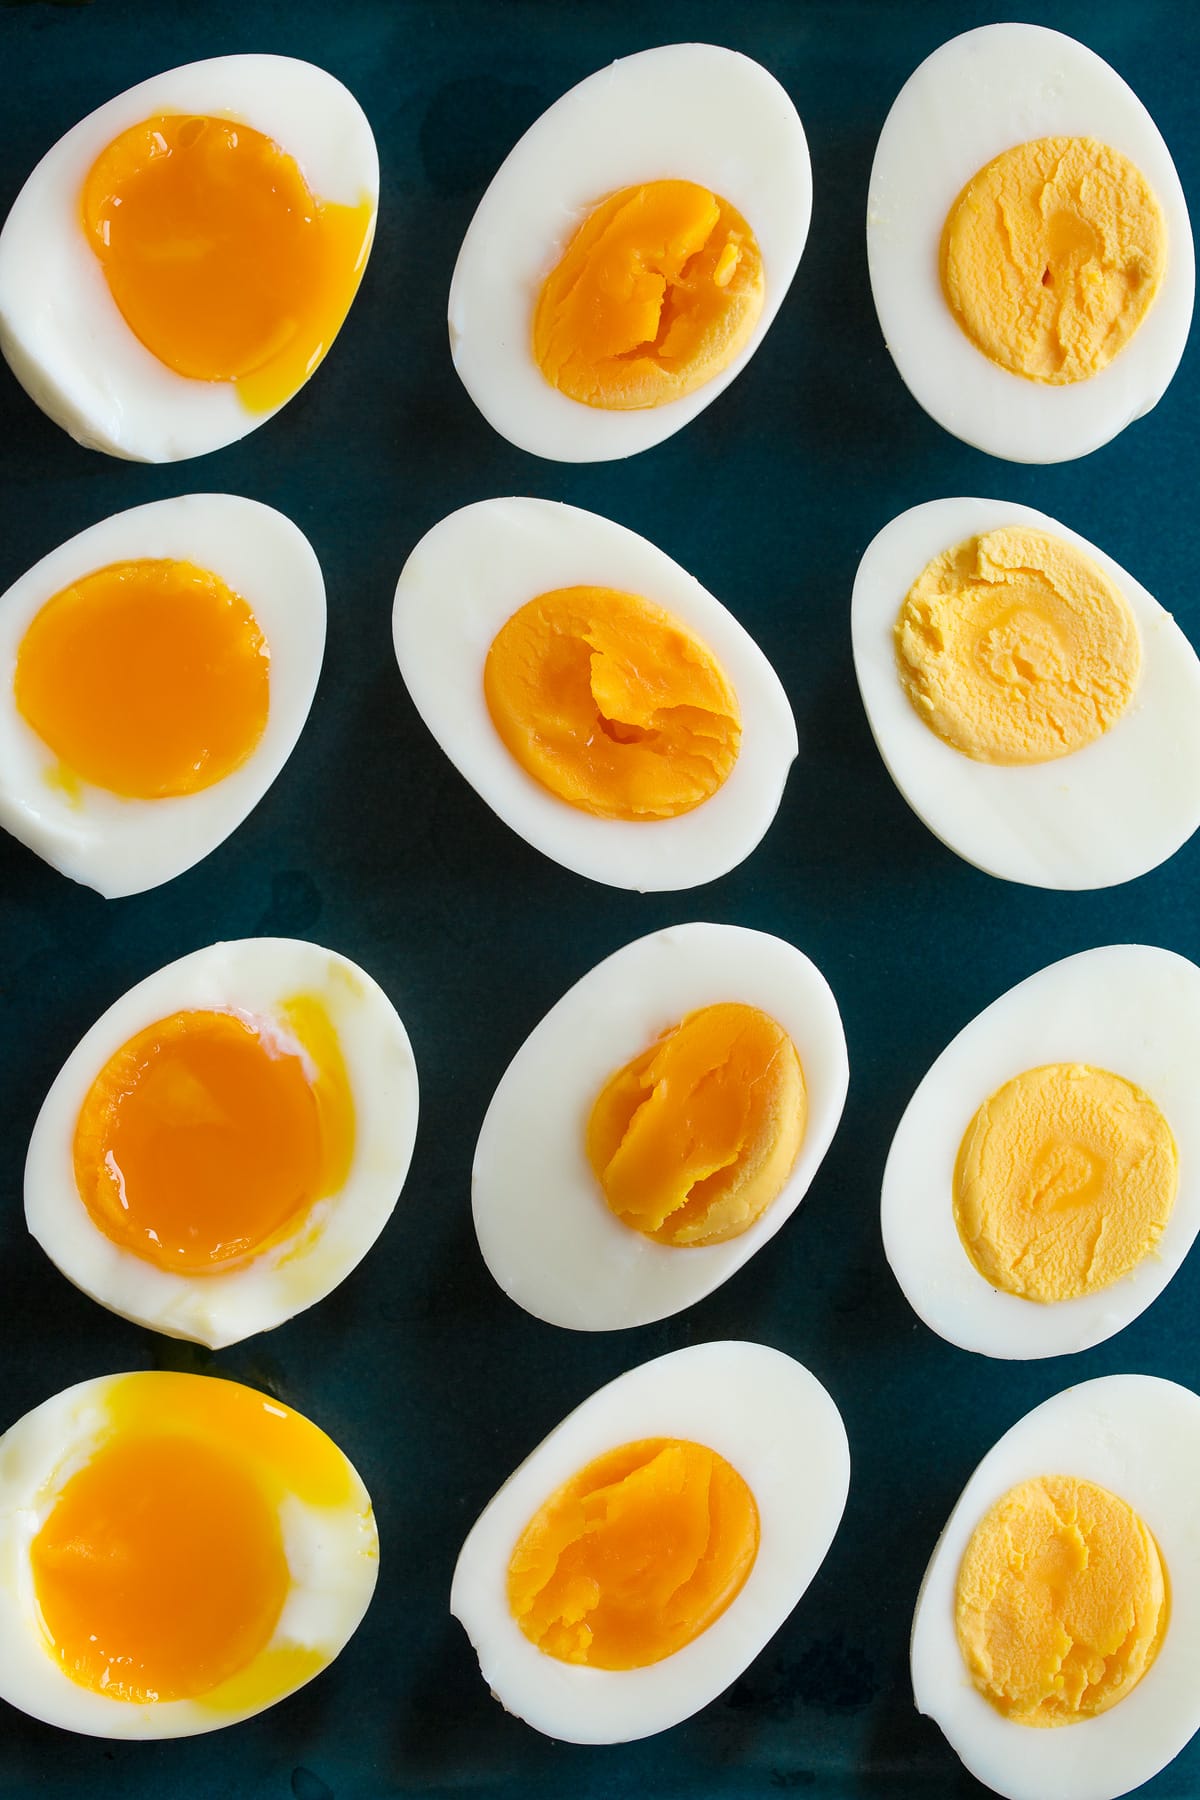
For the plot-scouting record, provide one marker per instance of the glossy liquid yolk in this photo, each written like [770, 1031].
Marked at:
[219, 258]
[635, 1556]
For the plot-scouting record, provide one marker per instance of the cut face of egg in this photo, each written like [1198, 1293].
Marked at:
[177, 1553]
[159, 670]
[1043, 1185]
[601, 701]
[1057, 1630]
[178, 264]
[637, 1562]
[1036, 707]
[662, 1122]
[1029, 245]
[227, 1141]
[631, 252]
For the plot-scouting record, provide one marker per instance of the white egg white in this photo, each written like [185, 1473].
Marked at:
[62, 333]
[691, 112]
[468, 576]
[252, 977]
[1103, 815]
[767, 1416]
[980, 94]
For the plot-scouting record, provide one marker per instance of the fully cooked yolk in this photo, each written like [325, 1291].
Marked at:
[658, 291]
[147, 678]
[693, 1139]
[1014, 647]
[1051, 257]
[218, 256]
[635, 1555]
[1065, 1180]
[209, 1136]
[612, 704]
[1061, 1603]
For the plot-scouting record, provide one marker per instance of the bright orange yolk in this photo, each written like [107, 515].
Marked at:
[208, 1137]
[147, 678]
[635, 1556]
[612, 704]
[219, 257]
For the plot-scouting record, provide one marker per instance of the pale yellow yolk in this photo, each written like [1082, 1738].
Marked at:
[1065, 1180]
[657, 292]
[208, 1137]
[1014, 647]
[1061, 1603]
[218, 256]
[1051, 257]
[693, 1139]
[635, 1556]
[612, 704]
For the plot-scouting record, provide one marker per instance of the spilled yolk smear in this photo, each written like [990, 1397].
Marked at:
[1015, 647]
[209, 1136]
[658, 291]
[218, 256]
[693, 1139]
[147, 678]
[635, 1555]
[1062, 1603]
[612, 704]
[1051, 257]
[1064, 1181]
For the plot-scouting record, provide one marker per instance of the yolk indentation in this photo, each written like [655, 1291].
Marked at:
[1015, 647]
[658, 291]
[219, 258]
[635, 1555]
[208, 1137]
[1062, 1603]
[1065, 1180]
[612, 704]
[1051, 257]
[693, 1139]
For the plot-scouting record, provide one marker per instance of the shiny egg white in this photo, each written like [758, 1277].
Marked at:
[254, 978]
[691, 112]
[1128, 1008]
[60, 329]
[1102, 815]
[468, 576]
[544, 1228]
[778, 1427]
[980, 94]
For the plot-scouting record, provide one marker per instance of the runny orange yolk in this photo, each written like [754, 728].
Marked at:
[612, 704]
[218, 256]
[146, 678]
[658, 291]
[208, 1137]
[635, 1555]
[693, 1139]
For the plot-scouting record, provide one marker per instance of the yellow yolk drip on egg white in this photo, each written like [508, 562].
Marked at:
[658, 291]
[1061, 1603]
[1052, 256]
[635, 1556]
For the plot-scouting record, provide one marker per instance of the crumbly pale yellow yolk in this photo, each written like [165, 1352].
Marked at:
[612, 704]
[209, 1136]
[1014, 647]
[1065, 1180]
[160, 1571]
[657, 292]
[218, 256]
[1051, 257]
[635, 1556]
[693, 1139]
[1061, 1603]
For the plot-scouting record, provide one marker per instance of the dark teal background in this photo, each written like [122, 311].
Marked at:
[433, 1382]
